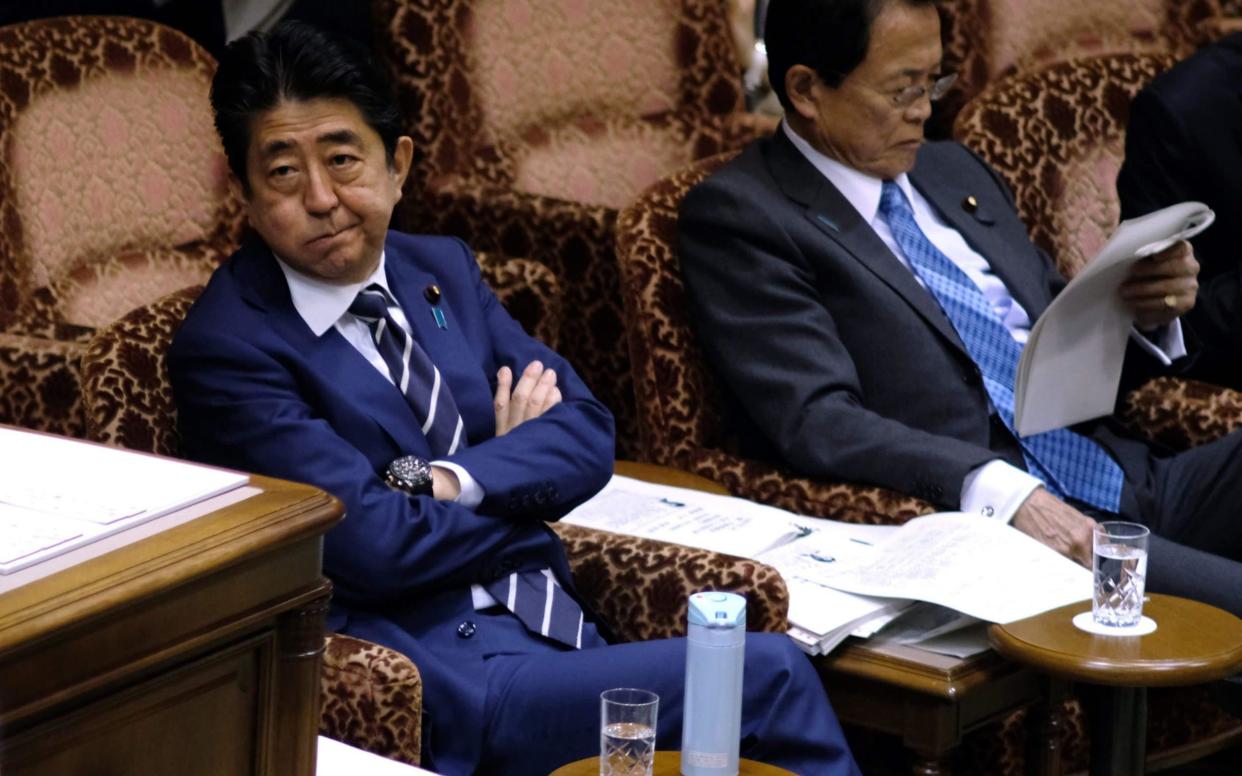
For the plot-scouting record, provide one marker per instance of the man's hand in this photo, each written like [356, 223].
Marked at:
[1056, 524]
[1162, 287]
[535, 394]
[444, 484]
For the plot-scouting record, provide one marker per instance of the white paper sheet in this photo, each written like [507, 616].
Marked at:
[53, 485]
[682, 516]
[977, 566]
[1071, 365]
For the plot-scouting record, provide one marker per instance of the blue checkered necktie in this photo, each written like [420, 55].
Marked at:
[412, 372]
[541, 605]
[1069, 464]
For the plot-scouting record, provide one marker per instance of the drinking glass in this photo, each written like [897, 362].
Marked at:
[627, 732]
[1120, 565]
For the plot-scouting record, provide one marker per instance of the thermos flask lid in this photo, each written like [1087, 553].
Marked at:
[717, 618]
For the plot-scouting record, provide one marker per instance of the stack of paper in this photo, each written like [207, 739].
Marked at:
[57, 494]
[846, 579]
[820, 617]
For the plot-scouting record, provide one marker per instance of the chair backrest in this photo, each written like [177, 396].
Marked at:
[125, 386]
[1057, 136]
[563, 98]
[113, 186]
[987, 39]
[679, 404]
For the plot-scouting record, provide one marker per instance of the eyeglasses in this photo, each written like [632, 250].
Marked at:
[914, 92]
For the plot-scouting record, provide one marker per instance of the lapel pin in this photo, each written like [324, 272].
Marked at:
[970, 204]
[432, 294]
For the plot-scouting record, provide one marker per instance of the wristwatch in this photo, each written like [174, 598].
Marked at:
[410, 474]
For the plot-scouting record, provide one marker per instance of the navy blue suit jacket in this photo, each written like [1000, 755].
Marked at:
[257, 390]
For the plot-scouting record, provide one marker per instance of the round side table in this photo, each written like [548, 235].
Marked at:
[1193, 643]
[667, 764]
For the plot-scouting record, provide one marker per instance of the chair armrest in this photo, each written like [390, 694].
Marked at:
[768, 484]
[371, 698]
[42, 384]
[640, 587]
[1180, 413]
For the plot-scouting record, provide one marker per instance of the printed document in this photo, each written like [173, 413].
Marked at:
[1071, 364]
[57, 493]
[984, 568]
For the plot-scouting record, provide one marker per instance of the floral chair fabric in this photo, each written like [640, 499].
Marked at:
[679, 406]
[535, 121]
[1057, 136]
[371, 696]
[113, 192]
[987, 39]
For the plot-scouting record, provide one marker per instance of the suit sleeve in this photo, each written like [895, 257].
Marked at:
[764, 327]
[552, 462]
[241, 406]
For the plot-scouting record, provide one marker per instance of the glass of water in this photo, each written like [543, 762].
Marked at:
[1120, 564]
[627, 732]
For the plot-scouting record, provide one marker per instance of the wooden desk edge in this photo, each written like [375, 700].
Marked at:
[128, 572]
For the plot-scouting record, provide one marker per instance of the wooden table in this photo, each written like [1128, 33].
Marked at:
[667, 764]
[187, 645]
[929, 701]
[1193, 643]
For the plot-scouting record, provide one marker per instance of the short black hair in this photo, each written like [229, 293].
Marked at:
[295, 61]
[829, 36]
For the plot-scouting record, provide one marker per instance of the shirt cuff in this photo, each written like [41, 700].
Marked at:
[471, 494]
[1166, 343]
[996, 490]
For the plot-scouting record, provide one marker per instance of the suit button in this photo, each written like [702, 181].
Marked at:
[936, 491]
[466, 630]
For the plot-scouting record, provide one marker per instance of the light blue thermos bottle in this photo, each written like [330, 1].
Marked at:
[716, 645]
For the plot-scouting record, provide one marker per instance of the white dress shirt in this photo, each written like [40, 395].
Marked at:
[997, 488]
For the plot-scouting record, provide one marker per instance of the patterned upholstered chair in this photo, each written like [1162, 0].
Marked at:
[987, 39]
[371, 695]
[113, 192]
[679, 407]
[1057, 136]
[535, 121]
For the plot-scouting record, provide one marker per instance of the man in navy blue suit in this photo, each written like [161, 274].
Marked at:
[379, 367]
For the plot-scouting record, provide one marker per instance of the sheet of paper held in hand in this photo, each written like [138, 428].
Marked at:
[58, 493]
[1071, 364]
[978, 566]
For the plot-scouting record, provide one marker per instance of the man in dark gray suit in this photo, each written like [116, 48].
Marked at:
[865, 296]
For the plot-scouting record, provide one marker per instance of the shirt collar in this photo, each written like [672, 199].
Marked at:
[320, 303]
[859, 189]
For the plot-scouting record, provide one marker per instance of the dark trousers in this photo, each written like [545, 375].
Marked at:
[543, 707]
[1192, 502]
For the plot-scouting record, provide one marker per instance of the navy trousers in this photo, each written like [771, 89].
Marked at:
[543, 705]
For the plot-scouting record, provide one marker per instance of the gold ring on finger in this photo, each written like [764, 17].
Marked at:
[1170, 301]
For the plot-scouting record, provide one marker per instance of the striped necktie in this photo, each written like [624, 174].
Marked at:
[1069, 464]
[411, 371]
[541, 605]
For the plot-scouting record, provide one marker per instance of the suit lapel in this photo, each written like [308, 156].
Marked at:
[263, 285]
[1020, 274]
[830, 212]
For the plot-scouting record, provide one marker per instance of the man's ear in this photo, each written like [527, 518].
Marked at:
[402, 156]
[800, 85]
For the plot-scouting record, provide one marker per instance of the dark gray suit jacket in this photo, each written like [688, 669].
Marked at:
[840, 363]
[1184, 142]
